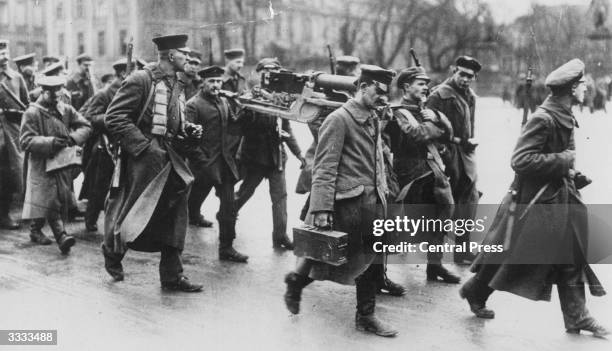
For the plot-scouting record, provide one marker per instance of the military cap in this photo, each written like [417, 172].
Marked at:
[53, 69]
[51, 82]
[567, 74]
[169, 42]
[24, 60]
[50, 59]
[469, 63]
[380, 76]
[233, 54]
[347, 60]
[3, 44]
[194, 58]
[83, 58]
[269, 63]
[411, 73]
[121, 64]
[211, 72]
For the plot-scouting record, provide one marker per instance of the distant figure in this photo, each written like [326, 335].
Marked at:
[600, 12]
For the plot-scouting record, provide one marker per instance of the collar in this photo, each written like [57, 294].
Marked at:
[560, 112]
[157, 72]
[227, 76]
[210, 98]
[469, 93]
[358, 111]
[10, 73]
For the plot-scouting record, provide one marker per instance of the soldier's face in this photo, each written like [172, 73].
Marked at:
[191, 68]
[373, 96]
[4, 57]
[211, 86]
[415, 91]
[51, 95]
[236, 64]
[178, 60]
[463, 77]
[86, 66]
[579, 92]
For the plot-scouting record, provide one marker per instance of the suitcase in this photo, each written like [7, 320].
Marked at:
[327, 246]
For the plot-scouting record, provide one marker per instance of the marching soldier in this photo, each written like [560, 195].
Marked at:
[262, 155]
[546, 246]
[26, 65]
[456, 100]
[81, 84]
[232, 79]
[416, 137]
[97, 160]
[190, 77]
[11, 158]
[48, 127]
[148, 211]
[215, 163]
[348, 176]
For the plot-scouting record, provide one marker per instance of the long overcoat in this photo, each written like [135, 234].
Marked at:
[344, 181]
[9, 133]
[554, 230]
[147, 174]
[48, 193]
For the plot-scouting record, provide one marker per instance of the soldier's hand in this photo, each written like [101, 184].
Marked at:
[284, 135]
[429, 115]
[323, 220]
[58, 144]
[571, 157]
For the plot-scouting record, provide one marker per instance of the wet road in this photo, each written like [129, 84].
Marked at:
[241, 306]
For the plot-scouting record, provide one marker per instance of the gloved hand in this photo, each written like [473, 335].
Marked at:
[580, 180]
[323, 219]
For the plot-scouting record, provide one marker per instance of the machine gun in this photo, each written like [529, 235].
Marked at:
[294, 96]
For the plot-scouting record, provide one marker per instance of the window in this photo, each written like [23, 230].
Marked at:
[80, 43]
[123, 41]
[102, 9]
[101, 43]
[61, 43]
[80, 9]
[59, 11]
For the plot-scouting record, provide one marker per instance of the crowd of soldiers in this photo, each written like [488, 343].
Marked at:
[155, 141]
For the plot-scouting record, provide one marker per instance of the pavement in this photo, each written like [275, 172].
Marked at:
[241, 306]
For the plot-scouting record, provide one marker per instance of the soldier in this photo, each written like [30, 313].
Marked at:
[215, 164]
[54, 69]
[262, 155]
[416, 140]
[48, 127]
[190, 77]
[97, 161]
[232, 79]
[148, 211]
[456, 100]
[348, 176]
[82, 84]
[547, 246]
[348, 66]
[11, 158]
[26, 65]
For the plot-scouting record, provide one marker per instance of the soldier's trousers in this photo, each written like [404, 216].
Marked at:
[570, 286]
[278, 195]
[225, 192]
[6, 195]
[55, 223]
[367, 285]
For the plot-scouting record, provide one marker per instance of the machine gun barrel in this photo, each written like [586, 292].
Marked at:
[335, 82]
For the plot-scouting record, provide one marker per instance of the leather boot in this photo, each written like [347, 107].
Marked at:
[436, 270]
[65, 242]
[477, 294]
[370, 323]
[387, 286]
[575, 314]
[295, 283]
[112, 264]
[6, 221]
[226, 240]
[282, 242]
[38, 237]
[201, 222]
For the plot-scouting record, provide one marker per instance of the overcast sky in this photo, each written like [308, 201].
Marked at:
[507, 10]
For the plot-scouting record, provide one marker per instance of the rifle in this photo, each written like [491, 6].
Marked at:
[414, 58]
[210, 52]
[332, 60]
[526, 102]
[116, 154]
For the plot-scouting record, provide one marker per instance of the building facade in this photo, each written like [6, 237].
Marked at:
[23, 23]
